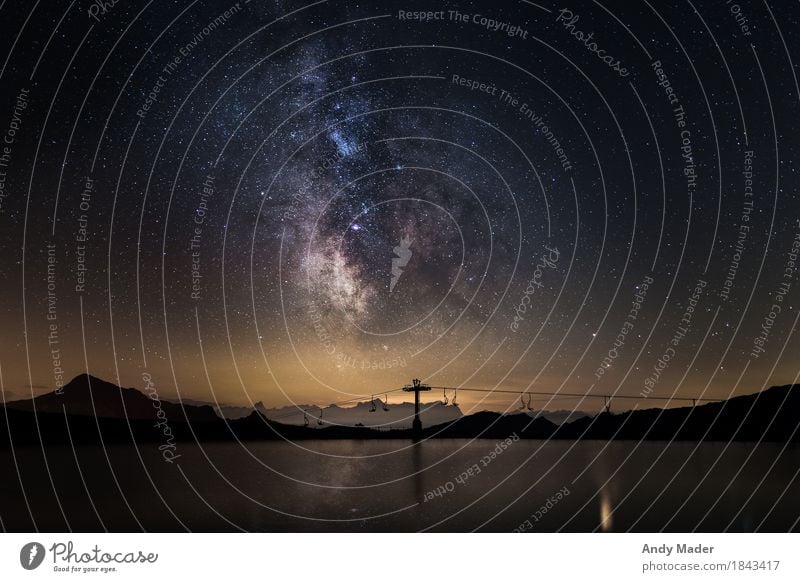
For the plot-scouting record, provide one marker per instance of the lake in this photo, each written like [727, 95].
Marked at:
[393, 485]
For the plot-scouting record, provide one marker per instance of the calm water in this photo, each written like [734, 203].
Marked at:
[383, 486]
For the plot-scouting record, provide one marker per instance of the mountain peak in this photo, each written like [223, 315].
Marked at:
[87, 395]
[83, 381]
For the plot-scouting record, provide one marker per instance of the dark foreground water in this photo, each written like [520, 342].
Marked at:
[390, 485]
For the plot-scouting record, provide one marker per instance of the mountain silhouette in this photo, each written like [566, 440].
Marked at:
[89, 410]
[771, 415]
[86, 395]
[494, 425]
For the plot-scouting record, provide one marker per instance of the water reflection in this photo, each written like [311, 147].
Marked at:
[380, 486]
[606, 512]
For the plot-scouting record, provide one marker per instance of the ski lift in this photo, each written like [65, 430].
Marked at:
[386, 403]
[444, 397]
[319, 420]
[455, 394]
[305, 418]
[372, 407]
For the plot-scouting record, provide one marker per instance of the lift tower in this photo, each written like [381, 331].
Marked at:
[416, 387]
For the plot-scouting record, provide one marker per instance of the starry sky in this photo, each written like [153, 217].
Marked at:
[312, 202]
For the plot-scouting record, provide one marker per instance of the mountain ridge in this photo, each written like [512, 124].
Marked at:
[126, 413]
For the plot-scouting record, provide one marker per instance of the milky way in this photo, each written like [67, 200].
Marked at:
[310, 203]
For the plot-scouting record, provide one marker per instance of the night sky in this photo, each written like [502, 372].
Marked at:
[308, 203]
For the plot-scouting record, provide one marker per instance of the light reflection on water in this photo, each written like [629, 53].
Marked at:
[388, 485]
[606, 519]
